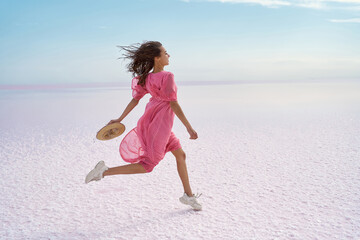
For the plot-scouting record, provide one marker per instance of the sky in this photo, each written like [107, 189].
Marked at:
[72, 42]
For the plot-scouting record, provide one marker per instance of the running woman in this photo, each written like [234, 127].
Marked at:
[146, 145]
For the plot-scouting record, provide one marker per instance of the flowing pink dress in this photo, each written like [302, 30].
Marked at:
[152, 138]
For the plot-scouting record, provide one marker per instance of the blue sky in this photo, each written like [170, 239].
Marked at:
[52, 42]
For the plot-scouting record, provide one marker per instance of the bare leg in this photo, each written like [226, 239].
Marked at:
[125, 169]
[182, 170]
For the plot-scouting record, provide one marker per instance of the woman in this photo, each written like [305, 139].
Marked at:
[146, 145]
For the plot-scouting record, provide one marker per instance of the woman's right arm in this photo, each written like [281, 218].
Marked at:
[180, 114]
[127, 110]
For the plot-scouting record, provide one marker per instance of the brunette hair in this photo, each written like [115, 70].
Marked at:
[142, 58]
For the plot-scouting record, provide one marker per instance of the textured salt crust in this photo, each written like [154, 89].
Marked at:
[265, 170]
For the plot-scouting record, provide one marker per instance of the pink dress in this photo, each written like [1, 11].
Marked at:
[152, 138]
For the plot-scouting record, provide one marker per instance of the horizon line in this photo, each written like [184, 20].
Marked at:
[128, 85]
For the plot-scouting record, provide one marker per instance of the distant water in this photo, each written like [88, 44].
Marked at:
[106, 85]
[39, 106]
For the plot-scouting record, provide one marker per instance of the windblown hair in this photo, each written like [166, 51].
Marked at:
[142, 58]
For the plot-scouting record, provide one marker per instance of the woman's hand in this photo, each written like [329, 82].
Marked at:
[114, 121]
[192, 132]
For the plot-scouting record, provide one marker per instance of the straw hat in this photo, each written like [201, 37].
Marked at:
[110, 131]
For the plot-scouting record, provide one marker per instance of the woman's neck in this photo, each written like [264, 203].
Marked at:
[158, 69]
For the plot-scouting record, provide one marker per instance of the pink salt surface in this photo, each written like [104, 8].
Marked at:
[272, 161]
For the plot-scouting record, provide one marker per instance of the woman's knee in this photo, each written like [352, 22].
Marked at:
[146, 168]
[183, 155]
[179, 154]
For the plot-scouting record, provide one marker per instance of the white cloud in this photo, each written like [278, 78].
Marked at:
[342, 1]
[310, 4]
[266, 3]
[351, 20]
[315, 4]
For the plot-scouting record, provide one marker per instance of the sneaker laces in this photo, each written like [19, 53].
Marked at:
[197, 195]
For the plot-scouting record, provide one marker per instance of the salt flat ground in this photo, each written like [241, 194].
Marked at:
[272, 161]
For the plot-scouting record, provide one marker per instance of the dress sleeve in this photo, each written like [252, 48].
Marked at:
[169, 88]
[137, 91]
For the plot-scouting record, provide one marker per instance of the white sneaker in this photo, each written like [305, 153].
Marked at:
[185, 199]
[97, 173]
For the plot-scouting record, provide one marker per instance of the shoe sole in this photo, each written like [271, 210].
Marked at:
[184, 202]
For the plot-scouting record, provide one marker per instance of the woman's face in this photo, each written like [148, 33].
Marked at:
[164, 57]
